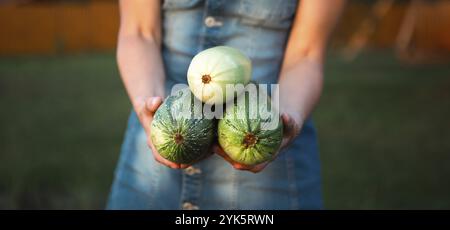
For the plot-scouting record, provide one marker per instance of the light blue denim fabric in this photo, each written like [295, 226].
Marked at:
[260, 29]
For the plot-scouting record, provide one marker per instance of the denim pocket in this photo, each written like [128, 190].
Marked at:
[273, 13]
[179, 4]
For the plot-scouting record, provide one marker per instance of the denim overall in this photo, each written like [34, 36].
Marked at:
[292, 181]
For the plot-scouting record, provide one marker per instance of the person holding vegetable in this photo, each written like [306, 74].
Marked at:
[286, 41]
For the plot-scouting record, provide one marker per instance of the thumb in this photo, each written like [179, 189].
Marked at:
[152, 104]
[290, 130]
[288, 123]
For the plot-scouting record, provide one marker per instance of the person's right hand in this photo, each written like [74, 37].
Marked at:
[145, 110]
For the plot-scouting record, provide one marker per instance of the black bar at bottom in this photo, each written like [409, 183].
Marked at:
[226, 218]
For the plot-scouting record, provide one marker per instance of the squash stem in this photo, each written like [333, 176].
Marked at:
[250, 140]
[206, 79]
[178, 138]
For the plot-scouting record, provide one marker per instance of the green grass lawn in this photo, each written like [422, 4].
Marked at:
[384, 132]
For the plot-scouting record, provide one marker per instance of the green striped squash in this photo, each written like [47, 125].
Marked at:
[244, 137]
[179, 139]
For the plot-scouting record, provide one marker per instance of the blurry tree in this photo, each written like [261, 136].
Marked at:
[366, 28]
[421, 36]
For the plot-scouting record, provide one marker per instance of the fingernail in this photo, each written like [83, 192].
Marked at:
[154, 100]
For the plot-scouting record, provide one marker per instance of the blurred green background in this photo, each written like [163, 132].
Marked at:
[383, 120]
[384, 132]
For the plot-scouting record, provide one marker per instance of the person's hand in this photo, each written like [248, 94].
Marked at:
[145, 110]
[291, 128]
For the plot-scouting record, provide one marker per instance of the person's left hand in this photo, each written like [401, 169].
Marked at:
[291, 128]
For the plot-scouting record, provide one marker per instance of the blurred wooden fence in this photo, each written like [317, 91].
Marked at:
[431, 27]
[53, 28]
[92, 26]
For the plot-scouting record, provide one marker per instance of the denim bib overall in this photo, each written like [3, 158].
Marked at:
[260, 29]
